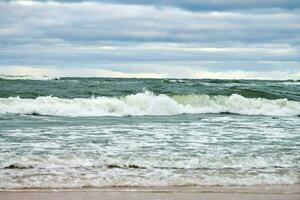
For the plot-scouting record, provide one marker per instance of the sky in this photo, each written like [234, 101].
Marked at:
[223, 39]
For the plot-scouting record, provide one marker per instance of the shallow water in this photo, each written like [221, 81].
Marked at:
[92, 132]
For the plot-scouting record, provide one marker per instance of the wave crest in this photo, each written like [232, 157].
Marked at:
[28, 77]
[148, 103]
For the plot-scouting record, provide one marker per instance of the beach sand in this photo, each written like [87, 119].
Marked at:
[176, 193]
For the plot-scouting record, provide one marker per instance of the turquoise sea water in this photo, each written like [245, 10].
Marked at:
[97, 132]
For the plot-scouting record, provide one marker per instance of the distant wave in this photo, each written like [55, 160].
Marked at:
[292, 83]
[148, 103]
[28, 77]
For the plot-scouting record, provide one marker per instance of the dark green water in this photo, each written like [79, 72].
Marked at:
[87, 87]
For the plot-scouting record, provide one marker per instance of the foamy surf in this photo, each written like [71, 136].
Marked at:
[148, 103]
[172, 154]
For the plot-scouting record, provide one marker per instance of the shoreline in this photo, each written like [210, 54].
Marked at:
[200, 188]
[266, 192]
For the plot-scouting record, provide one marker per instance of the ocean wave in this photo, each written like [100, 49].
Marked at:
[148, 103]
[289, 83]
[28, 77]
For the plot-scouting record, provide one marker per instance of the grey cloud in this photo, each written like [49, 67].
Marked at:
[200, 5]
[92, 22]
[133, 38]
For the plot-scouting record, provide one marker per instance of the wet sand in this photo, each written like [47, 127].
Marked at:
[176, 193]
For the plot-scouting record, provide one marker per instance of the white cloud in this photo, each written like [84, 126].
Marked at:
[271, 75]
[183, 73]
[74, 72]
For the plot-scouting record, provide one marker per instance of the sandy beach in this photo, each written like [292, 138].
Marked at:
[176, 193]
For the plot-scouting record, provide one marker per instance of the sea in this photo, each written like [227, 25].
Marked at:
[72, 132]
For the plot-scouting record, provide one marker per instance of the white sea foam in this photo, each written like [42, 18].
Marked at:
[74, 172]
[290, 83]
[153, 179]
[147, 103]
[28, 77]
[225, 150]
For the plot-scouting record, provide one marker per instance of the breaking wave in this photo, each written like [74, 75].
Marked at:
[148, 103]
[28, 77]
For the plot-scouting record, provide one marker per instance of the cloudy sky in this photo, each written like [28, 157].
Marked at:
[151, 38]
